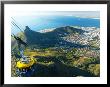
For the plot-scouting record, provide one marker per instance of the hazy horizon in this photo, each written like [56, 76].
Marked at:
[52, 19]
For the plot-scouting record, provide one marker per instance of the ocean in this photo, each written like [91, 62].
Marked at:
[38, 23]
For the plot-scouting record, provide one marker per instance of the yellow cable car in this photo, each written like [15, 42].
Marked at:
[23, 65]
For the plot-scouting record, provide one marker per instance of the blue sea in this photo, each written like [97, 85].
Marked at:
[37, 23]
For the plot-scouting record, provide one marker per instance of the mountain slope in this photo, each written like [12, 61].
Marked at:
[52, 38]
[63, 36]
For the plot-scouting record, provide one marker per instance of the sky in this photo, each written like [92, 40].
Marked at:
[91, 11]
[84, 14]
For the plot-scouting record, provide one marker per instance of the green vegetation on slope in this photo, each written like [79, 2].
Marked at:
[56, 55]
[60, 62]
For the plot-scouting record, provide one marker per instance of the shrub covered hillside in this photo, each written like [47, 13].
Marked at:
[62, 52]
[62, 62]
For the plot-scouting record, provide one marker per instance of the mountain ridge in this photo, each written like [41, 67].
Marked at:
[51, 38]
[62, 36]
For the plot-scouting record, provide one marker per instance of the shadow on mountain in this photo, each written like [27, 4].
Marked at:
[53, 38]
[58, 69]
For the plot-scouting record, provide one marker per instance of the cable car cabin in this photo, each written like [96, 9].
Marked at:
[25, 63]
